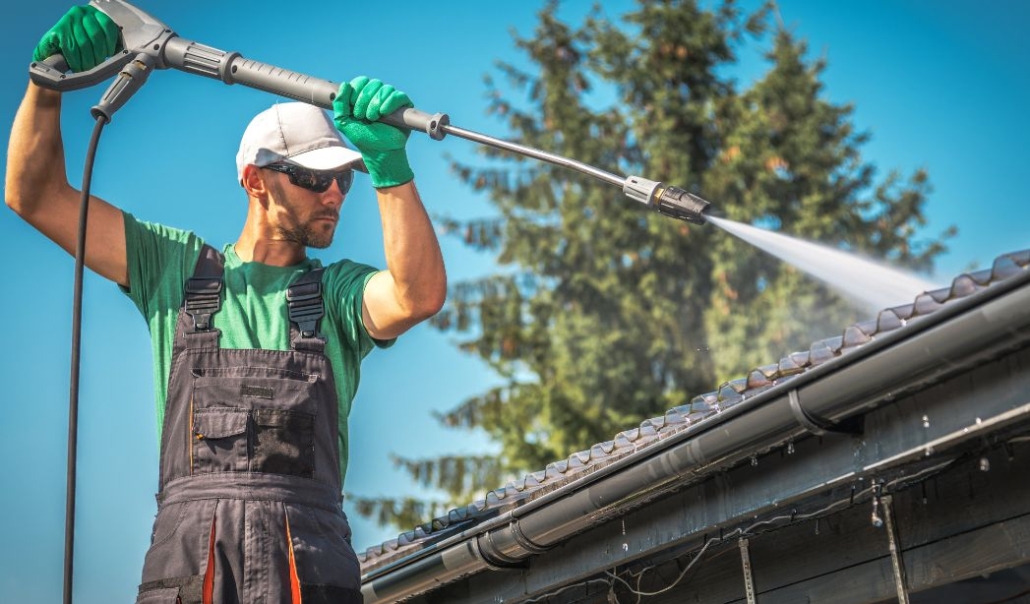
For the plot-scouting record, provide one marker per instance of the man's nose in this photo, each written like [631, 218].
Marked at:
[333, 195]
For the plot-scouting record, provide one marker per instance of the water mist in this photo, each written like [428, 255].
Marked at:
[871, 285]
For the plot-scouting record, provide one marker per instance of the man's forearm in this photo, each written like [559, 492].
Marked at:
[412, 251]
[35, 153]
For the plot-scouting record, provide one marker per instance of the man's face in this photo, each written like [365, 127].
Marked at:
[303, 216]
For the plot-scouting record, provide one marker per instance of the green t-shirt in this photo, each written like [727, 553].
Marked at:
[253, 313]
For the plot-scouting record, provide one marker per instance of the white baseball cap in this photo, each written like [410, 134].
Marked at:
[298, 133]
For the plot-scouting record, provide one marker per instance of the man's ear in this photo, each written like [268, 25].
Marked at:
[253, 182]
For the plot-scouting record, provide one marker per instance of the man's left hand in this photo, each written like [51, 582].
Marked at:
[357, 108]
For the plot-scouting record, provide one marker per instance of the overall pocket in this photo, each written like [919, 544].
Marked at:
[220, 440]
[254, 419]
[284, 442]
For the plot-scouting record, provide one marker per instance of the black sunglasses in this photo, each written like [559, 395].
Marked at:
[315, 180]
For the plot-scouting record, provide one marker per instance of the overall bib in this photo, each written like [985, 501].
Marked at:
[250, 501]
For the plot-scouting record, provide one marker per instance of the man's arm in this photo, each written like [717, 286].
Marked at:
[414, 286]
[37, 188]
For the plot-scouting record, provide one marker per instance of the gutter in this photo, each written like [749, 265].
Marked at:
[956, 337]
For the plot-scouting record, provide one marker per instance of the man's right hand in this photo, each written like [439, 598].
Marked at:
[84, 35]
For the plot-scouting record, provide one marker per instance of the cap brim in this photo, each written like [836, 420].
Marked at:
[329, 158]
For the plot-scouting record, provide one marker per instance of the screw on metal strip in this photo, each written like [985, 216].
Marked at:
[745, 559]
[897, 559]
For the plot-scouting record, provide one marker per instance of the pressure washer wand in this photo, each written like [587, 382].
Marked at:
[144, 35]
[671, 201]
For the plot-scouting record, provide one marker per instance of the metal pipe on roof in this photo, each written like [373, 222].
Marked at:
[956, 337]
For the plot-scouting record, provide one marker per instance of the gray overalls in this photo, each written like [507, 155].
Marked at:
[250, 504]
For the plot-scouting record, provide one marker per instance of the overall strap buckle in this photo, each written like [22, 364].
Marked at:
[203, 295]
[305, 304]
[203, 299]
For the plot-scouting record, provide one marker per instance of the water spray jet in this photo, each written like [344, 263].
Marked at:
[872, 285]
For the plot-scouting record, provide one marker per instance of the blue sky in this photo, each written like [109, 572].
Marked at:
[943, 85]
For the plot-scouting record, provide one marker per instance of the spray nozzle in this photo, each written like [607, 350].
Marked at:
[671, 201]
[675, 202]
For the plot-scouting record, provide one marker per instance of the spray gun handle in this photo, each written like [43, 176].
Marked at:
[132, 75]
[140, 33]
[52, 72]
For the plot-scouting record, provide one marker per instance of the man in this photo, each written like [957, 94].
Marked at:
[257, 347]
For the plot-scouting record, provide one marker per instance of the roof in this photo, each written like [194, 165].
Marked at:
[681, 422]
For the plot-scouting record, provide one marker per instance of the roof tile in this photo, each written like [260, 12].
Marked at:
[856, 336]
[926, 304]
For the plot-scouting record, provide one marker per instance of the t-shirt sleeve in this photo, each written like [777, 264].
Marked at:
[160, 258]
[345, 284]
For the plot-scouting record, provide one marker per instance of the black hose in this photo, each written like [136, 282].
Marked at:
[73, 398]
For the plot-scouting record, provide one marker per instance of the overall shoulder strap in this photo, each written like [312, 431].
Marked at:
[203, 297]
[306, 307]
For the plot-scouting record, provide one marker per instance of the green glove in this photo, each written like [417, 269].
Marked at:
[357, 107]
[84, 35]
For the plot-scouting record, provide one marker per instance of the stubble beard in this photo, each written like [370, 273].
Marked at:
[307, 234]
